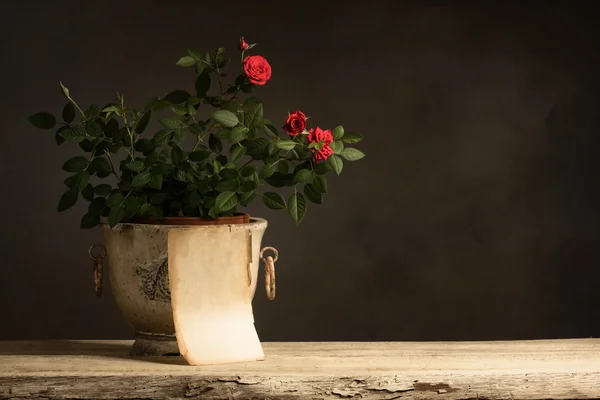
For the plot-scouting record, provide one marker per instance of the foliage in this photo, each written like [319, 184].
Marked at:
[236, 152]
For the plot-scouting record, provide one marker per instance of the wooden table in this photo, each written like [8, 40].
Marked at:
[552, 369]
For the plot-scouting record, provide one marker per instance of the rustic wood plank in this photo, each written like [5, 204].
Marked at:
[550, 369]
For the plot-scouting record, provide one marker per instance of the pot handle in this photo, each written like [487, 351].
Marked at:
[97, 253]
[270, 271]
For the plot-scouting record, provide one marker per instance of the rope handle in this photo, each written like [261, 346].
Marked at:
[270, 271]
[98, 257]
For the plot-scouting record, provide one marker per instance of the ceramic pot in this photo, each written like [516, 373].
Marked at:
[139, 278]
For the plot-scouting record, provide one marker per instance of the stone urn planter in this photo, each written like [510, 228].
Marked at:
[139, 274]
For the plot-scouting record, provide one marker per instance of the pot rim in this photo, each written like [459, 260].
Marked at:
[253, 221]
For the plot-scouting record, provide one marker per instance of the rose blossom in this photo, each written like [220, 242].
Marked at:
[243, 44]
[319, 135]
[295, 123]
[257, 69]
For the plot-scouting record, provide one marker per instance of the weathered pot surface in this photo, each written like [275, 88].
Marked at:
[139, 278]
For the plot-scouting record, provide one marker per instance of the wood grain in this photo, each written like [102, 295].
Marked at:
[552, 369]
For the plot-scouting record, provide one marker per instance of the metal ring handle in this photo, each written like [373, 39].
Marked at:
[274, 250]
[99, 256]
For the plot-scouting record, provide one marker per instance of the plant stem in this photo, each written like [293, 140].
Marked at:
[219, 80]
[248, 162]
[199, 139]
[111, 164]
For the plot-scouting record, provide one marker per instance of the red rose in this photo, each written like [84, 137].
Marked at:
[321, 136]
[243, 44]
[257, 69]
[295, 123]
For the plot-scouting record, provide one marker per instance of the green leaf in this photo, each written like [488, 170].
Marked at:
[302, 175]
[179, 134]
[320, 184]
[312, 194]
[171, 122]
[115, 199]
[232, 106]
[352, 137]
[141, 179]
[81, 180]
[67, 200]
[257, 147]
[116, 215]
[144, 145]
[238, 134]
[93, 128]
[270, 130]
[68, 113]
[179, 110]
[247, 171]
[248, 186]
[186, 61]
[151, 159]
[230, 185]
[246, 198]
[286, 144]
[136, 165]
[297, 207]
[75, 164]
[112, 108]
[229, 173]
[142, 123]
[177, 155]
[267, 171]
[215, 143]
[131, 204]
[226, 201]
[283, 166]
[145, 208]
[101, 164]
[88, 192]
[223, 133]
[225, 118]
[337, 132]
[42, 120]
[89, 220]
[57, 137]
[180, 175]
[177, 97]
[253, 117]
[196, 55]
[198, 155]
[335, 163]
[337, 147]
[202, 84]
[103, 189]
[351, 154]
[194, 198]
[274, 201]
[74, 133]
[196, 129]
[237, 152]
[321, 168]
[162, 137]
[161, 169]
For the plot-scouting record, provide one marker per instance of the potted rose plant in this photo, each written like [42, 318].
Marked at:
[143, 181]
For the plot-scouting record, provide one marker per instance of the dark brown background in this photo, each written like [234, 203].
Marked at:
[474, 216]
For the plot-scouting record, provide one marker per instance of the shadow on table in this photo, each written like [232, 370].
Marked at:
[108, 349]
[65, 347]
